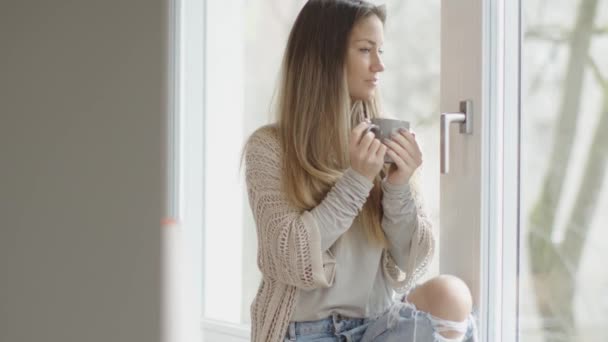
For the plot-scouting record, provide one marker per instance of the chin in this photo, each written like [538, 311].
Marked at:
[363, 96]
[368, 97]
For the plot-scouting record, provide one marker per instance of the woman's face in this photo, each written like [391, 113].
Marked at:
[363, 62]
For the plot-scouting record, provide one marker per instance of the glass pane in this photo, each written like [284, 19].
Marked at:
[267, 25]
[563, 284]
[410, 90]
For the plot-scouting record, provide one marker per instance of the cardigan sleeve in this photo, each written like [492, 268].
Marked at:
[292, 243]
[409, 235]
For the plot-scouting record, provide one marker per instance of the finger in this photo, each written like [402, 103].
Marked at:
[357, 132]
[400, 139]
[411, 137]
[402, 153]
[392, 144]
[381, 151]
[366, 141]
[401, 164]
[411, 147]
[374, 146]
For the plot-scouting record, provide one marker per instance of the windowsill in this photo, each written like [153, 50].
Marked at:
[240, 331]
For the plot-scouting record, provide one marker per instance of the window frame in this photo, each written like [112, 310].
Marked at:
[501, 184]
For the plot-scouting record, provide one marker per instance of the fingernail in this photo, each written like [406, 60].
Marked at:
[402, 130]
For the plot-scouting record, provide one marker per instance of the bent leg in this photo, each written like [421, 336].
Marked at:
[447, 298]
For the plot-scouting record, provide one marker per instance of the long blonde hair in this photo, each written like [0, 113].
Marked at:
[314, 111]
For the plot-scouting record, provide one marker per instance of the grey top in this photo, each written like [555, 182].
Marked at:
[360, 287]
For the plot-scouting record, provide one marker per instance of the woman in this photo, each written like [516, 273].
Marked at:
[339, 233]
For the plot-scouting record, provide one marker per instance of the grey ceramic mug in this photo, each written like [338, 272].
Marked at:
[383, 128]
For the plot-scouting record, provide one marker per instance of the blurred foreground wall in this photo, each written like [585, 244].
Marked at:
[82, 109]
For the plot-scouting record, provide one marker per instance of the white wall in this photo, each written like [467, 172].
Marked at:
[82, 110]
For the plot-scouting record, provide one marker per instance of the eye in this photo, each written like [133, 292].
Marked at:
[366, 50]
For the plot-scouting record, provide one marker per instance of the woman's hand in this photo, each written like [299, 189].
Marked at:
[405, 152]
[366, 152]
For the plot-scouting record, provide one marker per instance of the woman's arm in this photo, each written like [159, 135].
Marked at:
[407, 228]
[291, 242]
[399, 220]
[336, 213]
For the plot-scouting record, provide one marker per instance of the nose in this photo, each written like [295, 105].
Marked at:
[377, 65]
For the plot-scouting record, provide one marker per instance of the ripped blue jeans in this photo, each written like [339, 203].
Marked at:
[401, 322]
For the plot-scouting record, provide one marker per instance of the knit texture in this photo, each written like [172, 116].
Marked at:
[290, 253]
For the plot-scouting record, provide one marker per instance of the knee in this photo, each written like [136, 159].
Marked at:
[445, 296]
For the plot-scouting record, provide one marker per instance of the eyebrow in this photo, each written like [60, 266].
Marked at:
[366, 40]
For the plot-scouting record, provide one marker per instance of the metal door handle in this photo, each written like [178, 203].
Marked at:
[465, 119]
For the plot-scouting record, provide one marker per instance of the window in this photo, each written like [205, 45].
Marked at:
[564, 200]
[561, 286]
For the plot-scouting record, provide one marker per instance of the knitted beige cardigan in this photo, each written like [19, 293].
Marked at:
[289, 249]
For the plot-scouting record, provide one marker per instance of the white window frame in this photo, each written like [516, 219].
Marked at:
[509, 64]
[500, 211]
[503, 45]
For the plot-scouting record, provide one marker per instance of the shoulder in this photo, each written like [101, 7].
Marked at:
[266, 133]
[264, 138]
[263, 144]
